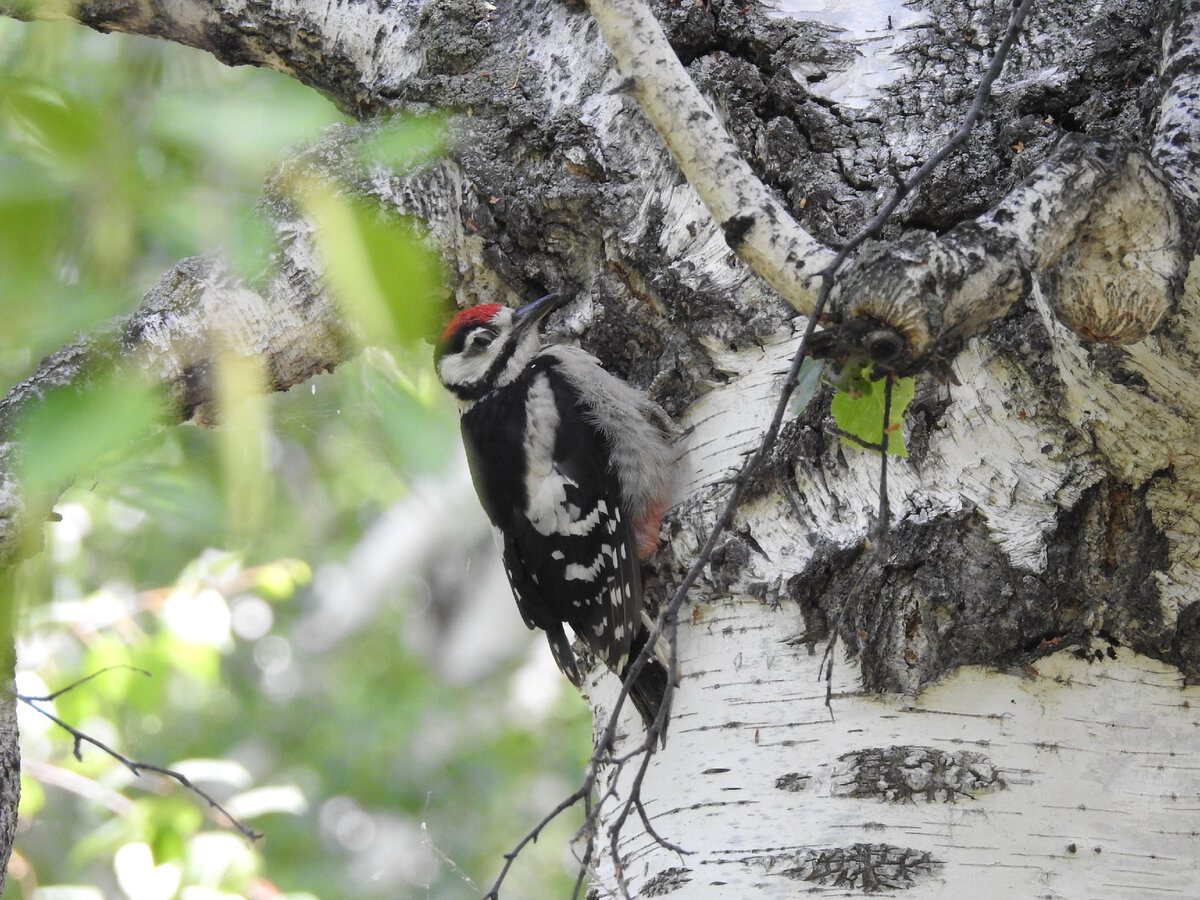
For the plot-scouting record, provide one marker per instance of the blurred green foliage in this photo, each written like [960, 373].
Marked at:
[379, 273]
[199, 556]
[72, 433]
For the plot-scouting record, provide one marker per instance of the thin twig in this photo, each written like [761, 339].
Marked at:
[874, 549]
[137, 768]
[84, 680]
[982, 92]
[751, 466]
[872, 228]
[534, 833]
[635, 803]
[857, 441]
[885, 513]
[588, 847]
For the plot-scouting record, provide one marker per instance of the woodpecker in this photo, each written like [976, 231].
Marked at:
[572, 465]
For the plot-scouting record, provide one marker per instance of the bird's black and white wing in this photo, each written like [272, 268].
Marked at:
[568, 545]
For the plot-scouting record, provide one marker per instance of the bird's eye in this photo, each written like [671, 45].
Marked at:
[480, 340]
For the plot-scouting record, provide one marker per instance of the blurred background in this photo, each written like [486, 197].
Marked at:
[331, 649]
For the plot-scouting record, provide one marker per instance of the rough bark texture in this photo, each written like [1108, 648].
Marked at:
[10, 750]
[1029, 635]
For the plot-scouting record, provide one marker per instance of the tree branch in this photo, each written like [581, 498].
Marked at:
[1177, 132]
[194, 314]
[137, 768]
[1095, 224]
[756, 225]
[322, 46]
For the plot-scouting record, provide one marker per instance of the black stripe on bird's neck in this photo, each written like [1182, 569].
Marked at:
[483, 386]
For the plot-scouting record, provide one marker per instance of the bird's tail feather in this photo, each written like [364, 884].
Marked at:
[649, 691]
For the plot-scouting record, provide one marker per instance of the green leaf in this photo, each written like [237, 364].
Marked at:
[405, 142]
[75, 430]
[857, 408]
[49, 121]
[379, 272]
[280, 579]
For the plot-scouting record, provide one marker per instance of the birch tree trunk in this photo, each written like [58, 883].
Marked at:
[1010, 710]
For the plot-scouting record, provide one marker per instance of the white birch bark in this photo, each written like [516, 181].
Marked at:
[1011, 709]
[1052, 776]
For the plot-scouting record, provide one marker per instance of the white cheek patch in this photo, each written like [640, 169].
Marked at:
[461, 369]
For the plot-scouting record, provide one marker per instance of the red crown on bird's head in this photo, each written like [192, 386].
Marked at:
[476, 315]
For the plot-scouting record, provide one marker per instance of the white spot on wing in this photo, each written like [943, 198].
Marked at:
[577, 572]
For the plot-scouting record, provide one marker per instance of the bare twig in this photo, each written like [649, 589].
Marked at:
[668, 618]
[874, 547]
[587, 828]
[534, 833]
[86, 678]
[858, 442]
[982, 92]
[136, 767]
[885, 513]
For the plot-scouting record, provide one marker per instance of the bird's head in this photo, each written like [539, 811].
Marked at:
[486, 347]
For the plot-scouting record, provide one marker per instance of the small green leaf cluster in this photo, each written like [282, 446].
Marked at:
[859, 408]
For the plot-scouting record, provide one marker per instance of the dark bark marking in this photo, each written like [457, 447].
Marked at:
[736, 228]
[907, 773]
[793, 782]
[866, 867]
[947, 596]
[666, 882]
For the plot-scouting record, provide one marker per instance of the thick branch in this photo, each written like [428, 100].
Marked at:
[324, 46]
[1177, 135]
[1095, 225]
[197, 311]
[194, 314]
[756, 225]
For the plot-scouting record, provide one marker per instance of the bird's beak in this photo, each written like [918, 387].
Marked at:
[529, 315]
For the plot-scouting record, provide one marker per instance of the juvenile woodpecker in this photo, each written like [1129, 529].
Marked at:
[572, 465]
